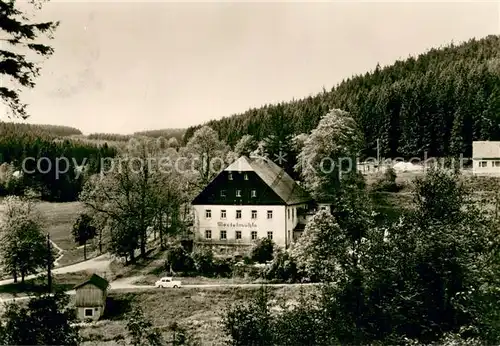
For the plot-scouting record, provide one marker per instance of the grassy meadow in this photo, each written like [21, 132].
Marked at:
[60, 282]
[58, 220]
[198, 310]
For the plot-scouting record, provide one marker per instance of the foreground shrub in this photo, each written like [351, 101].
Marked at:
[223, 267]
[180, 336]
[203, 260]
[262, 250]
[46, 320]
[387, 183]
[249, 271]
[261, 322]
[178, 260]
[251, 323]
[282, 268]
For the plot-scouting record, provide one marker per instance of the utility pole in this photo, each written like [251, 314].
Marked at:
[49, 265]
[497, 201]
[378, 154]
[378, 150]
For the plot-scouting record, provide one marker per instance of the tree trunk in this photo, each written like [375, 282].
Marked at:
[85, 251]
[22, 277]
[143, 227]
[144, 238]
[100, 241]
[162, 241]
[15, 276]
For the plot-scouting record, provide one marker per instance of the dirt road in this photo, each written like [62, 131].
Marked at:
[100, 263]
[127, 285]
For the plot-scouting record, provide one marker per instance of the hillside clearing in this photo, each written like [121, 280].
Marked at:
[58, 220]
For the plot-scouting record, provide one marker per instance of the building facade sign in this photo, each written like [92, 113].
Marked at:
[237, 225]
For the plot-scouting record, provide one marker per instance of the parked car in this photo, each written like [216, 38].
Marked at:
[168, 281]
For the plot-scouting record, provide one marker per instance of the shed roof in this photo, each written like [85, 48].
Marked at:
[486, 149]
[95, 280]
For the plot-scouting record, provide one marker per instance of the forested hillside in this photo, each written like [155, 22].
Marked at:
[21, 141]
[45, 130]
[109, 137]
[436, 103]
[165, 133]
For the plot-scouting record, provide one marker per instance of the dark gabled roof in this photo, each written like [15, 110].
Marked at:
[274, 176]
[95, 280]
[279, 181]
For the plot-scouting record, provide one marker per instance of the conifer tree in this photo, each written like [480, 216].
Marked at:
[19, 34]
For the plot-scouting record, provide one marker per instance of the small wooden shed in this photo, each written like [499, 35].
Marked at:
[90, 298]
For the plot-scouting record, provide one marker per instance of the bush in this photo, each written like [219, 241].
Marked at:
[255, 323]
[282, 268]
[44, 320]
[179, 260]
[141, 330]
[223, 267]
[15, 187]
[247, 260]
[251, 323]
[262, 251]
[387, 183]
[255, 272]
[239, 269]
[203, 260]
[180, 336]
[248, 270]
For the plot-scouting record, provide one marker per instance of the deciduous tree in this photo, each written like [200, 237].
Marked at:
[46, 320]
[329, 152]
[207, 153]
[24, 249]
[83, 231]
[320, 249]
[245, 146]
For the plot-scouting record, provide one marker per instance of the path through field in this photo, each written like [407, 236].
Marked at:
[98, 264]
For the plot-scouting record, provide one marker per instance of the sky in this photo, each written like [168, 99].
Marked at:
[122, 66]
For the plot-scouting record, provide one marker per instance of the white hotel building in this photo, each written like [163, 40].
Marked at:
[486, 158]
[252, 198]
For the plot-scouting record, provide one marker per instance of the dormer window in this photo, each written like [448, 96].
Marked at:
[238, 193]
[253, 193]
[230, 176]
[223, 193]
[246, 176]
